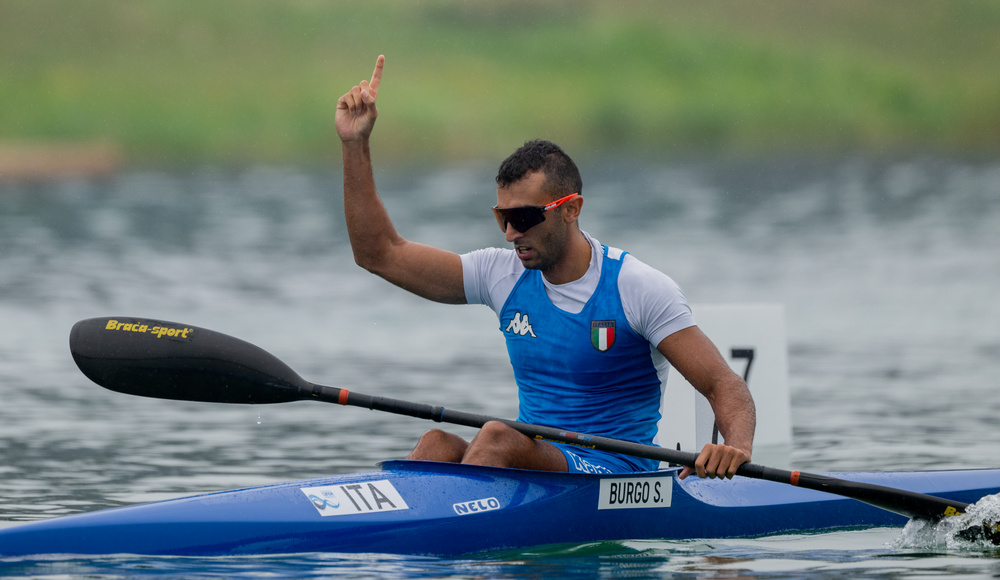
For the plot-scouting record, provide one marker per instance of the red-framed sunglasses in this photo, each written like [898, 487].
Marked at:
[527, 216]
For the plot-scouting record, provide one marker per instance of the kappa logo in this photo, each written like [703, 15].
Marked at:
[520, 325]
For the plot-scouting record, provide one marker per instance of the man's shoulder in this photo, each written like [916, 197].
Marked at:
[635, 271]
[489, 274]
[654, 304]
[616, 253]
[492, 259]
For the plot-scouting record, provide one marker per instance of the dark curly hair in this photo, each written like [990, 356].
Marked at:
[561, 175]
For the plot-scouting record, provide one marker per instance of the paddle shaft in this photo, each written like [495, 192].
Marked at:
[906, 503]
[166, 360]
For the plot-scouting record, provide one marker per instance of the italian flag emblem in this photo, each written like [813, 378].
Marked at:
[602, 334]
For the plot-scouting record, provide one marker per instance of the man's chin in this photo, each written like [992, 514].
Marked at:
[534, 264]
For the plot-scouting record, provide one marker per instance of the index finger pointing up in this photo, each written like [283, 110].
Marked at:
[377, 73]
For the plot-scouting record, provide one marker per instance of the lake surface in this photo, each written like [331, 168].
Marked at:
[888, 270]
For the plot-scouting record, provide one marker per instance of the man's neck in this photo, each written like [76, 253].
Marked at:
[574, 263]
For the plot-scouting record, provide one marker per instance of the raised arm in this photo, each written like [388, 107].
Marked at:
[697, 358]
[427, 271]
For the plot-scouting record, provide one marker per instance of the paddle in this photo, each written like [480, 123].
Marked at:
[165, 360]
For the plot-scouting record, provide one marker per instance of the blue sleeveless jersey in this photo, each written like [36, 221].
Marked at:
[587, 372]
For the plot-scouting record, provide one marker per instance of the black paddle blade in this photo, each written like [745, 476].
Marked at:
[165, 360]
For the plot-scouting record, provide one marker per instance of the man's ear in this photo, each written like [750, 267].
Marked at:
[572, 208]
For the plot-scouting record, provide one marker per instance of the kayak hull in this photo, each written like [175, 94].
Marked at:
[446, 509]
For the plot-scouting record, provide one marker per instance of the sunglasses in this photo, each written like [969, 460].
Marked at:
[528, 216]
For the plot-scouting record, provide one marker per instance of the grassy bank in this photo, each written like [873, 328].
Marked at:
[257, 80]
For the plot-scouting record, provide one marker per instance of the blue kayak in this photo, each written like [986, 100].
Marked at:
[411, 507]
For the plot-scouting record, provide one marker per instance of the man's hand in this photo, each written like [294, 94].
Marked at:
[717, 461]
[356, 112]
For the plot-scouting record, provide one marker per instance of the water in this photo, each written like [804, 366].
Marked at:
[888, 271]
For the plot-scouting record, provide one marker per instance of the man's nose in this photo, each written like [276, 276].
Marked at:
[511, 233]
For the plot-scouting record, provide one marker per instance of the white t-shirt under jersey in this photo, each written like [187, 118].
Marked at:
[654, 304]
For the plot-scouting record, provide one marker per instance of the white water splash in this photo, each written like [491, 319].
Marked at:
[961, 532]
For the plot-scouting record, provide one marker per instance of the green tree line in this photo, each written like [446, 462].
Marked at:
[236, 81]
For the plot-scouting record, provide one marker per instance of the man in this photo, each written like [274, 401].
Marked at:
[589, 329]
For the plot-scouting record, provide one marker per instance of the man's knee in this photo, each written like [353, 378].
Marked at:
[498, 445]
[435, 437]
[438, 445]
[495, 433]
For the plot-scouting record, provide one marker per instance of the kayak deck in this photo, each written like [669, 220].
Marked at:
[446, 509]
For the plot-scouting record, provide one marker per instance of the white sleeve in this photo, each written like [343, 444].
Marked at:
[489, 276]
[654, 304]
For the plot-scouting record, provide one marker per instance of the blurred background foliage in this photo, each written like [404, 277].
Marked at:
[251, 81]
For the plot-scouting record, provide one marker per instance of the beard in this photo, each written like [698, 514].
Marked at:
[549, 249]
